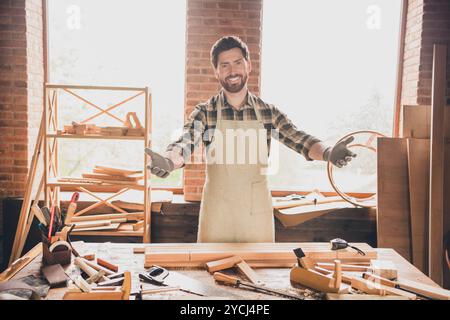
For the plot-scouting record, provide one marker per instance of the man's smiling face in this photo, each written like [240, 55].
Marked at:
[232, 70]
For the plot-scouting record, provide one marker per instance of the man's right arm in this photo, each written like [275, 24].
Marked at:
[180, 151]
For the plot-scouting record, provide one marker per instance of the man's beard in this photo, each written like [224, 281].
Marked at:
[236, 87]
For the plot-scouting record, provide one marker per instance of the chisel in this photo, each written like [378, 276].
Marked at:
[218, 276]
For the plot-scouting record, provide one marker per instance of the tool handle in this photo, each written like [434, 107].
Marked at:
[218, 276]
[52, 219]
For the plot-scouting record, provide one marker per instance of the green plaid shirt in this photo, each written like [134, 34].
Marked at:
[204, 117]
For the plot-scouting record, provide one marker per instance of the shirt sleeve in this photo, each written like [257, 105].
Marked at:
[288, 134]
[193, 131]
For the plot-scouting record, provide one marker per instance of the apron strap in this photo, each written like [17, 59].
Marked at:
[255, 107]
[219, 104]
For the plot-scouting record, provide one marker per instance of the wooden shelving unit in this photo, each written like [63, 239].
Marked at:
[53, 133]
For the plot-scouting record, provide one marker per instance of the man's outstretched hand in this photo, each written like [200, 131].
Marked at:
[159, 166]
[339, 155]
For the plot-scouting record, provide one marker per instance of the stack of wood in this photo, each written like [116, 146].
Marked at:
[413, 177]
[259, 255]
[114, 175]
[132, 127]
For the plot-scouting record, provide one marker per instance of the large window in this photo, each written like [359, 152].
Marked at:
[119, 43]
[331, 67]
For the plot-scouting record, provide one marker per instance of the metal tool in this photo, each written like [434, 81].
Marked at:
[218, 276]
[160, 277]
[338, 244]
[164, 277]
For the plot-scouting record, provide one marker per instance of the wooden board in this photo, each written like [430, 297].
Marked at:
[419, 181]
[416, 122]
[393, 219]
[112, 226]
[438, 101]
[116, 171]
[101, 176]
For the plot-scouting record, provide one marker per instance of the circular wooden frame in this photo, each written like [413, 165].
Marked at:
[355, 201]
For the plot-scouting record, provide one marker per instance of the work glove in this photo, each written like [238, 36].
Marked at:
[339, 155]
[160, 166]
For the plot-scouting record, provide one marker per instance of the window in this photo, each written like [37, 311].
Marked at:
[119, 43]
[331, 67]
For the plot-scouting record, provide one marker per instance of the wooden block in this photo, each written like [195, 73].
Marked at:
[419, 184]
[107, 265]
[89, 257]
[97, 267]
[384, 268]
[393, 218]
[82, 284]
[95, 278]
[138, 225]
[251, 275]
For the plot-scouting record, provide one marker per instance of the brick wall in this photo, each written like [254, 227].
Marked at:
[21, 91]
[428, 22]
[207, 21]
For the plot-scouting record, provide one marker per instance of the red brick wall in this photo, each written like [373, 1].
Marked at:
[21, 83]
[207, 21]
[428, 22]
[21, 90]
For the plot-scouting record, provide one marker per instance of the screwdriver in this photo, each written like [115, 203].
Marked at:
[218, 276]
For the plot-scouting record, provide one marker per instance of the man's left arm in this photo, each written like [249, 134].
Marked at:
[309, 146]
[303, 143]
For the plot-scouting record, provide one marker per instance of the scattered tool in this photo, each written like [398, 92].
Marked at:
[338, 244]
[218, 276]
[72, 207]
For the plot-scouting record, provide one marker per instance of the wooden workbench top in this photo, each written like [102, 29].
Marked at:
[122, 255]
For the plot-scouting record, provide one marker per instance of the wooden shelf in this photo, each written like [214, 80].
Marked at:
[125, 230]
[53, 133]
[77, 136]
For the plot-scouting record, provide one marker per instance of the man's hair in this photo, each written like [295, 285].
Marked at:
[225, 44]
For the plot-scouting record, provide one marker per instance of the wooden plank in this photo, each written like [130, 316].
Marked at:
[251, 275]
[20, 235]
[21, 263]
[337, 296]
[117, 171]
[419, 184]
[218, 265]
[416, 122]
[438, 101]
[393, 218]
[112, 226]
[111, 177]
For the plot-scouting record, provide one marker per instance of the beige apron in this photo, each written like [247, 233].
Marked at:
[236, 203]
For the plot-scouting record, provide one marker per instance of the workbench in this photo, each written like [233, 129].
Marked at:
[122, 255]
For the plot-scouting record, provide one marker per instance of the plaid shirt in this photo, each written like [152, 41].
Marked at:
[204, 117]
